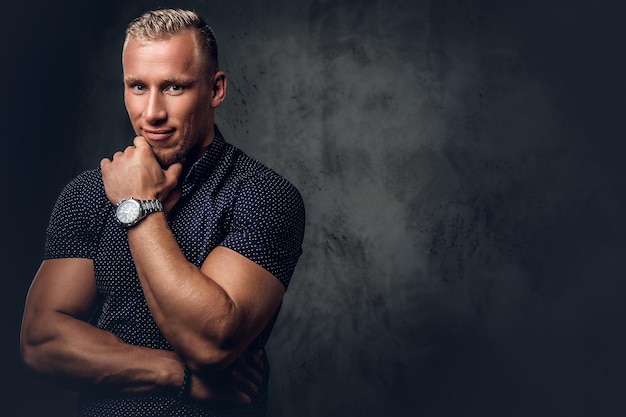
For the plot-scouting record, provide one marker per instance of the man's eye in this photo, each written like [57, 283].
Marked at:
[175, 89]
[138, 88]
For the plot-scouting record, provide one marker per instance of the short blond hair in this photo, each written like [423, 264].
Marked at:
[163, 23]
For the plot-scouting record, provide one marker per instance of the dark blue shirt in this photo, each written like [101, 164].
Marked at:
[228, 199]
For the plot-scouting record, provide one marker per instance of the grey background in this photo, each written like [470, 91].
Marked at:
[462, 168]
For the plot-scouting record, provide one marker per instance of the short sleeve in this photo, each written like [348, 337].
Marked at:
[77, 218]
[267, 226]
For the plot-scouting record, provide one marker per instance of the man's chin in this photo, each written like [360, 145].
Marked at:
[165, 159]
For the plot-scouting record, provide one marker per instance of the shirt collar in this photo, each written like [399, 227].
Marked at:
[201, 169]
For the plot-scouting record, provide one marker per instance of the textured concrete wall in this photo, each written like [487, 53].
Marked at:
[461, 164]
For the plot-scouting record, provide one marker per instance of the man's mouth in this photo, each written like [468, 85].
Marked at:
[157, 135]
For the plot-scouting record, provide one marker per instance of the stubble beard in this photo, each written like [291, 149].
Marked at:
[188, 150]
[168, 157]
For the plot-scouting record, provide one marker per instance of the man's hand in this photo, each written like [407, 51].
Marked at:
[136, 173]
[238, 384]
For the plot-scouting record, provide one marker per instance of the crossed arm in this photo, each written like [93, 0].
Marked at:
[209, 315]
[58, 342]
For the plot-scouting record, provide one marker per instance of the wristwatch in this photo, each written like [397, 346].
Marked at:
[131, 211]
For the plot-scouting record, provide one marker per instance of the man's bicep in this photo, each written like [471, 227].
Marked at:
[256, 293]
[63, 285]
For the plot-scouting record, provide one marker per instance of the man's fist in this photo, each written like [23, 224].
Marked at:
[136, 173]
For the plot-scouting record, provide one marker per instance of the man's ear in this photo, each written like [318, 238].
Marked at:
[219, 89]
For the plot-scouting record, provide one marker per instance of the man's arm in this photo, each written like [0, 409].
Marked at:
[210, 314]
[57, 341]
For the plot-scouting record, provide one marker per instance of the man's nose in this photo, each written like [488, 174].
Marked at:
[155, 111]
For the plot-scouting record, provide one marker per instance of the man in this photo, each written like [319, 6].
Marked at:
[165, 268]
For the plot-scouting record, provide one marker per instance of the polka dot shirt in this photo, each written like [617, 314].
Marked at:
[228, 199]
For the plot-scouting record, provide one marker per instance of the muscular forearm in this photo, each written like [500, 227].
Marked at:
[211, 314]
[80, 355]
[196, 316]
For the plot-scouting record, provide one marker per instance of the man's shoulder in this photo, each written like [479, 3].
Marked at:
[87, 185]
[90, 177]
[251, 172]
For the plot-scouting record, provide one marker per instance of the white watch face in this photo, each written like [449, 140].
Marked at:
[128, 211]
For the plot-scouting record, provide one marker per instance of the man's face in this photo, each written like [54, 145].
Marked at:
[168, 96]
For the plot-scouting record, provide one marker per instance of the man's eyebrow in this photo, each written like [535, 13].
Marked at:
[178, 80]
[131, 80]
[172, 80]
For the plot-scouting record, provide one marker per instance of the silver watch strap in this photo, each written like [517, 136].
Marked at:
[151, 206]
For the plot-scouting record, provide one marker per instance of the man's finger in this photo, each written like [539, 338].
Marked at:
[173, 171]
[245, 385]
[140, 141]
[250, 368]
